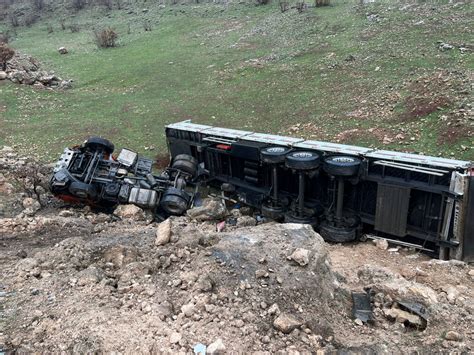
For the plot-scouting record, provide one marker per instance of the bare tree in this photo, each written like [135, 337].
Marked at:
[6, 53]
[284, 6]
[13, 19]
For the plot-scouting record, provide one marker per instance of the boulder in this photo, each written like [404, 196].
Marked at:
[216, 348]
[383, 280]
[453, 336]
[163, 233]
[62, 50]
[381, 244]
[300, 256]
[246, 221]
[120, 255]
[31, 204]
[211, 210]
[3, 75]
[188, 309]
[245, 249]
[90, 276]
[175, 337]
[402, 316]
[130, 212]
[286, 323]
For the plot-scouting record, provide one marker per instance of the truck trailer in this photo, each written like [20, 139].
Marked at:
[343, 191]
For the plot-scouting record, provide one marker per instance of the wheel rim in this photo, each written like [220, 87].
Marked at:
[276, 150]
[343, 159]
[303, 155]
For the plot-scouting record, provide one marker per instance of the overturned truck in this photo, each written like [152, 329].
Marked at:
[343, 191]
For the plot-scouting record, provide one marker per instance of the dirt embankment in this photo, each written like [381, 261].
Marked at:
[78, 281]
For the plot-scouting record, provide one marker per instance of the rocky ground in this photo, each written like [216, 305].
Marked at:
[77, 280]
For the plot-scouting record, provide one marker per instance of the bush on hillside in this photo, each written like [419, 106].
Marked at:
[147, 26]
[37, 4]
[105, 3]
[301, 6]
[78, 4]
[4, 37]
[319, 3]
[6, 53]
[74, 28]
[31, 19]
[105, 38]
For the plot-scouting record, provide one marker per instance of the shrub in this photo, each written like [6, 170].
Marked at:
[74, 28]
[301, 6]
[78, 4]
[319, 3]
[30, 19]
[37, 4]
[106, 3]
[263, 2]
[4, 37]
[105, 38]
[6, 53]
[147, 26]
[49, 28]
[62, 23]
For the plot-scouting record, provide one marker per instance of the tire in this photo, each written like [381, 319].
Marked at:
[273, 155]
[341, 165]
[273, 212]
[291, 218]
[337, 234]
[302, 160]
[82, 190]
[186, 164]
[97, 143]
[174, 201]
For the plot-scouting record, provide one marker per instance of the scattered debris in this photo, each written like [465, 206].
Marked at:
[361, 309]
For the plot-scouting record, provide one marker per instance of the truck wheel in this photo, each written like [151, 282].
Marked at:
[337, 234]
[273, 212]
[273, 155]
[97, 143]
[302, 160]
[174, 201]
[185, 163]
[341, 165]
[82, 190]
[291, 218]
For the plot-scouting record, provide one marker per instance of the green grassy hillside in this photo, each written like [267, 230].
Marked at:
[370, 75]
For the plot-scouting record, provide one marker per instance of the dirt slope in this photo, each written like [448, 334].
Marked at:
[78, 281]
